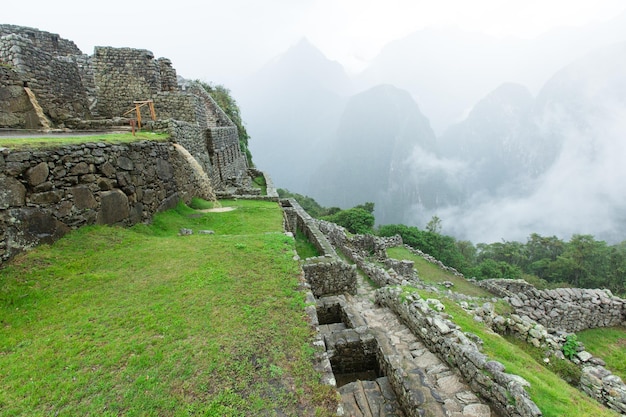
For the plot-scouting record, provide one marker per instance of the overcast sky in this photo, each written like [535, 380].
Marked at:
[223, 41]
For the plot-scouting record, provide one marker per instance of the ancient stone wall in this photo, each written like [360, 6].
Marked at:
[16, 110]
[50, 42]
[567, 309]
[226, 155]
[215, 115]
[327, 274]
[486, 377]
[193, 138]
[122, 76]
[168, 75]
[45, 193]
[596, 381]
[72, 89]
[56, 82]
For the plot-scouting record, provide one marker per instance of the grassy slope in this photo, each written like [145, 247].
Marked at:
[144, 322]
[432, 274]
[608, 344]
[55, 141]
[553, 396]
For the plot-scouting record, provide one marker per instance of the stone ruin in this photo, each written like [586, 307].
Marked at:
[403, 355]
[48, 84]
[69, 89]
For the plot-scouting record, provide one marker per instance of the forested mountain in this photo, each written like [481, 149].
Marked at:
[517, 163]
[575, 131]
[367, 160]
[449, 70]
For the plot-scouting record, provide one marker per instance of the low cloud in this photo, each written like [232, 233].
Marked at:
[582, 193]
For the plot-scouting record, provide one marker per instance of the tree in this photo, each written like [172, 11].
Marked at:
[369, 207]
[356, 220]
[434, 225]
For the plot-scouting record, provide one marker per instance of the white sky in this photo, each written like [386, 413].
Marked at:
[226, 40]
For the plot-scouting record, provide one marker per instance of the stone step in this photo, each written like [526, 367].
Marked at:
[449, 394]
[369, 399]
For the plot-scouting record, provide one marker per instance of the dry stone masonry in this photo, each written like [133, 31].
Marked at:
[568, 309]
[327, 274]
[46, 82]
[45, 193]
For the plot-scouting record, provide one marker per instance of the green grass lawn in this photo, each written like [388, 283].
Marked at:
[608, 344]
[52, 141]
[143, 322]
[432, 274]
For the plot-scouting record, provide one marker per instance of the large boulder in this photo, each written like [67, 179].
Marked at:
[113, 207]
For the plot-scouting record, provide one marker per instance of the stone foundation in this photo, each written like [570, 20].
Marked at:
[46, 193]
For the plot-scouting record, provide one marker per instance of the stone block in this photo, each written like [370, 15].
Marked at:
[37, 174]
[108, 170]
[33, 227]
[125, 163]
[48, 197]
[80, 169]
[113, 207]
[83, 198]
[164, 169]
[12, 193]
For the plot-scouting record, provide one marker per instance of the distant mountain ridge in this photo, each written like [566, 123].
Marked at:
[494, 167]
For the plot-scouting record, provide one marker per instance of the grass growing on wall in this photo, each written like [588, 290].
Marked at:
[432, 274]
[259, 182]
[304, 247]
[608, 344]
[55, 141]
[141, 321]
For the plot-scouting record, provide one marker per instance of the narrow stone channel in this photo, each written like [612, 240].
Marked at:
[443, 391]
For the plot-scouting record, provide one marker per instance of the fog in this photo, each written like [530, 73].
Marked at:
[547, 163]
[583, 109]
[550, 163]
[582, 193]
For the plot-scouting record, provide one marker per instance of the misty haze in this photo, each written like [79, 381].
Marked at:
[498, 137]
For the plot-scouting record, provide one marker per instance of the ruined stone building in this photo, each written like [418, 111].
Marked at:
[47, 82]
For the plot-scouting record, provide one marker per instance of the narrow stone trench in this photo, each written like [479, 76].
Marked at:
[441, 390]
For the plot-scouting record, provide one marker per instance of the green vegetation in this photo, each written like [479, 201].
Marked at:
[308, 204]
[554, 397]
[53, 141]
[546, 262]
[357, 220]
[141, 321]
[570, 347]
[565, 369]
[432, 274]
[608, 344]
[304, 247]
[225, 100]
[444, 248]
[259, 182]
[582, 262]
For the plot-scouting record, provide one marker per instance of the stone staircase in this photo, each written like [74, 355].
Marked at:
[370, 399]
[440, 390]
